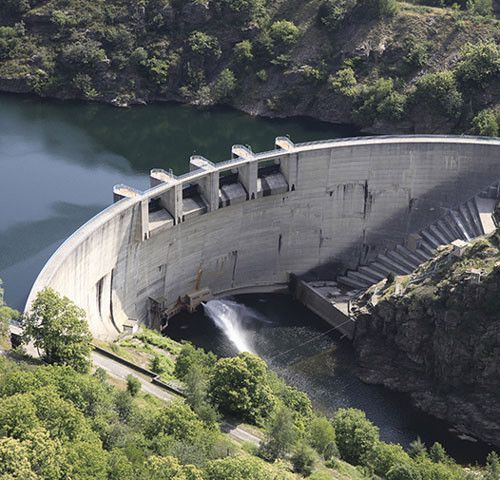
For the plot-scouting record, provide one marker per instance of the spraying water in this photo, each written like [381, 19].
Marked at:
[230, 317]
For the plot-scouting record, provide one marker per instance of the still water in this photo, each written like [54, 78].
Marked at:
[58, 164]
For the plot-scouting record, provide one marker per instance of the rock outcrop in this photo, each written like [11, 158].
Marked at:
[435, 335]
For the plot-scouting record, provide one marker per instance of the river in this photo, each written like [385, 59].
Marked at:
[58, 164]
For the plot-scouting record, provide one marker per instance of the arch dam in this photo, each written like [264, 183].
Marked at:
[261, 222]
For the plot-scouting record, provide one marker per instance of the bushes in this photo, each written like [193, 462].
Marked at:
[283, 34]
[239, 386]
[203, 44]
[440, 89]
[333, 12]
[356, 436]
[344, 81]
[225, 85]
[486, 123]
[380, 100]
[478, 63]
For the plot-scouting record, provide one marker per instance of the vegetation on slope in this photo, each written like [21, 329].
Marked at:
[57, 423]
[383, 65]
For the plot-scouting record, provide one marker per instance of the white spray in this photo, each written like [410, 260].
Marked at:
[229, 317]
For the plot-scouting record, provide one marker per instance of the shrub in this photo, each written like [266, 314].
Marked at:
[384, 456]
[486, 123]
[284, 34]
[303, 459]
[239, 386]
[133, 385]
[478, 63]
[281, 434]
[333, 12]
[82, 55]
[262, 75]
[203, 44]
[243, 52]
[321, 436]
[379, 8]
[440, 89]
[356, 436]
[191, 356]
[381, 100]
[225, 85]
[404, 472]
[482, 8]
[344, 81]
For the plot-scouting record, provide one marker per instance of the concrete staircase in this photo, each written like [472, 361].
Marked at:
[469, 220]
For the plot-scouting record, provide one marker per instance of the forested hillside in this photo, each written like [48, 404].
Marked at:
[382, 65]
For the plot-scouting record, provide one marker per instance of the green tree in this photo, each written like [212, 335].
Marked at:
[281, 434]
[356, 436]
[203, 44]
[225, 85]
[133, 385]
[284, 34]
[437, 453]
[483, 8]
[243, 52]
[417, 449]
[478, 63]
[405, 471]
[58, 327]
[380, 100]
[303, 459]
[196, 382]
[14, 461]
[492, 467]
[237, 468]
[190, 356]
[321, 436]
[440, 89]
[486, 123]
[384, 456]
[239, 386]
[344, 81]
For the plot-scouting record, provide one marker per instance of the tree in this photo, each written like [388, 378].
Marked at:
[438, 454]
[417, 449]
[404, 471]
[237, 468]
[321, 436]
[133, 385]
[284, 34]
[203, 44]
[58, 327]
[384, 456]
[190, 356]
[478, 63]
[486, 123]
[492, 467]
[440, 89]
[483, 8]
[239, 386]
[356, 436]
[225, 84]
[243, 52]
[303, 459]
[281, 434]
[197, 394]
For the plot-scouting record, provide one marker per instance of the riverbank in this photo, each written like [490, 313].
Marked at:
[403, 69]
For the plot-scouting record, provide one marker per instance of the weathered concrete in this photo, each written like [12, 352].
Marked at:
[345, 201]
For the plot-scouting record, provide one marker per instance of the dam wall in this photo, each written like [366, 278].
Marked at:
[246, 225]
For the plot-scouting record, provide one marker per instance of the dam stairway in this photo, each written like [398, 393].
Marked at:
[466, 222]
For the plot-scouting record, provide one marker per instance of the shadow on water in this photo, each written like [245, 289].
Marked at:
[300, 347]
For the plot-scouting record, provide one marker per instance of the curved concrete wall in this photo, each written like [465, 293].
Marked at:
[336, 204]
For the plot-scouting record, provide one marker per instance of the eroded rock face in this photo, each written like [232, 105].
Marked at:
[440, 343]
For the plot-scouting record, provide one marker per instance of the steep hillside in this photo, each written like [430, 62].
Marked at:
[436, 336]
[383, 65]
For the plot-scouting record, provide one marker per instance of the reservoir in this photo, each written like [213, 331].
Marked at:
[58, 164]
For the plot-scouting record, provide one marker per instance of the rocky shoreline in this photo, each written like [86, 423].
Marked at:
[439, 342]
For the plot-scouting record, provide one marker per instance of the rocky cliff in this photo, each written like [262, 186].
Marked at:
[436, 336]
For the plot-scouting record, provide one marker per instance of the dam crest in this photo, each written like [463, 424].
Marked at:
[261, 221]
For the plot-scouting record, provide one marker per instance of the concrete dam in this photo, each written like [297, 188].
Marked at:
[345, 210]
